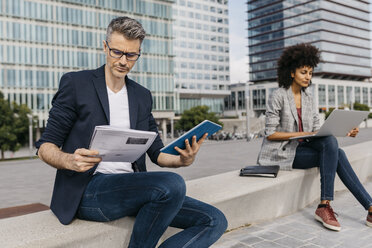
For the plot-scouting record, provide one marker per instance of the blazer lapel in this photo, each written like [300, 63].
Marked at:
[307, 116]
[100, 86]
[133, 102]
[292, 104]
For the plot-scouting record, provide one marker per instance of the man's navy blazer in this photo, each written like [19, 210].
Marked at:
[80, 104]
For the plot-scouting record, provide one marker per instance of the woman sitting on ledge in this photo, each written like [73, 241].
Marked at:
[291, 112]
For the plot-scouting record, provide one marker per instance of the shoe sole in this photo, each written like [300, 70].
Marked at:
[333, 228]
[368, 223]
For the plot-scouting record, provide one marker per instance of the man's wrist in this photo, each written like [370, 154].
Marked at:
[169, 160]
[67, 160]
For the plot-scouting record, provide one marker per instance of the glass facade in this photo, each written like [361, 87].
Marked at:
[215, 105]
[327, 94]
[340, 95]
[340, 29]
[201, 47]
[236, 100]
[331, 95]
[259, 99]
[41, 40]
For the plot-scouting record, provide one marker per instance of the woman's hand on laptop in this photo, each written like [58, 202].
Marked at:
[310, 133]
[353, 132]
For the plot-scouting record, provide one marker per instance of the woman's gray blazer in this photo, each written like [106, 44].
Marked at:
[281, 116]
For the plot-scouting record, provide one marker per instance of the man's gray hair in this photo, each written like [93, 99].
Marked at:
[128, 27]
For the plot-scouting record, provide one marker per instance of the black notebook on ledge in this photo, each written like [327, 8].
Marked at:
[260, 170]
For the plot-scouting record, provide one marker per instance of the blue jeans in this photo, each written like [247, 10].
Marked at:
[158, 200]
[325, 154]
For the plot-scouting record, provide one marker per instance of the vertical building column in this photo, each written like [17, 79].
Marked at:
[172, 128]
[164, 129]
[361, 95]
[327, 96]
[236, 101]
[336, 96]
[345, 95]
[247, 115]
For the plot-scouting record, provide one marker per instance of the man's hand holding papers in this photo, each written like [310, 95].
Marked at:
[83, 159]
[120, 145]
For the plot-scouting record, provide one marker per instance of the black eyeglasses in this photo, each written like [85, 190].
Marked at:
[117, 54]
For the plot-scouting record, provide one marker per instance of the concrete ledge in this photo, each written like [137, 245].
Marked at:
[44, 230]
[244, 200]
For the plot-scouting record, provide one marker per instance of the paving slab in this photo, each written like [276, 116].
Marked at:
[302, 230]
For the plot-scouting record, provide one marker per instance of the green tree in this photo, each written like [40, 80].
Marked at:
[8, 139]
[356, 106]
[21, 123]
[194, 116]
[360, 106]
[363, 107]
[14, 125]
[328, 112]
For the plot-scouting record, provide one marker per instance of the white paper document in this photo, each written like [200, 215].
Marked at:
[116, 144]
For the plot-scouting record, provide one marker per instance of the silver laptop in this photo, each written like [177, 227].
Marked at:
[338, 123]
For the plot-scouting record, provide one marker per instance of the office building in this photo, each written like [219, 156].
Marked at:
[341, 31]
[201, 48]
[40, 40]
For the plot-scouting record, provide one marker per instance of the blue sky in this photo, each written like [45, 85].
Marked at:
[238, 41]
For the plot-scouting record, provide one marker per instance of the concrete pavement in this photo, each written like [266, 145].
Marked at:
[302, 230]
[25, 182]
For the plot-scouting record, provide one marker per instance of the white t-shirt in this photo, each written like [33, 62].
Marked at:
[119, 117]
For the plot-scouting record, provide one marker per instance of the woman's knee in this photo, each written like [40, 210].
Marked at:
[330, 142]
[341, 154]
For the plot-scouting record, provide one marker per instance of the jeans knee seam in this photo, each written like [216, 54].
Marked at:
[323, 182]
[99, 210]
[152, 223]
[195, 237]
[324, 197]
[104, 216]
[210, 217]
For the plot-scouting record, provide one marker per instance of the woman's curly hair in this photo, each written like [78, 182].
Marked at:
[294, 57]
